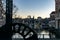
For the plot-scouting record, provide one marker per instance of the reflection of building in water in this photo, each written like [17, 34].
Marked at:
[2, 19]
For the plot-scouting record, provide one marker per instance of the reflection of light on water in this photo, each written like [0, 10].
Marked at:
[44, 34]
[17, 36]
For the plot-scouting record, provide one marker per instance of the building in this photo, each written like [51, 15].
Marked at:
[52, 19]
[57, 13]
[52, 15]
[39, 18]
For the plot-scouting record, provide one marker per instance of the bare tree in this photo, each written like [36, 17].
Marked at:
[15, 9]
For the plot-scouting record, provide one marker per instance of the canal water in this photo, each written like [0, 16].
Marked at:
[43, 34]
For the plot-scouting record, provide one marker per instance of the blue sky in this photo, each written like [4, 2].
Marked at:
[34, 7]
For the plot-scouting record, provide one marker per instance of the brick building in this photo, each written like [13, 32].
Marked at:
[57, 13]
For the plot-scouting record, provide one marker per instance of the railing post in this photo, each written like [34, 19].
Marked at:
[9, 9]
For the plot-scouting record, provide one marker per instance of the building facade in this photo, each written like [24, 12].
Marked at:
[57, 13]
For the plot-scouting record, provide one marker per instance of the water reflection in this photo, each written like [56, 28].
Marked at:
[43, 34]
[17, 35]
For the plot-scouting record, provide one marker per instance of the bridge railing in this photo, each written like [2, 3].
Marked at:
[39, 39]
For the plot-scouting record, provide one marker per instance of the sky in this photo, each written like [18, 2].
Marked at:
[34, 8]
